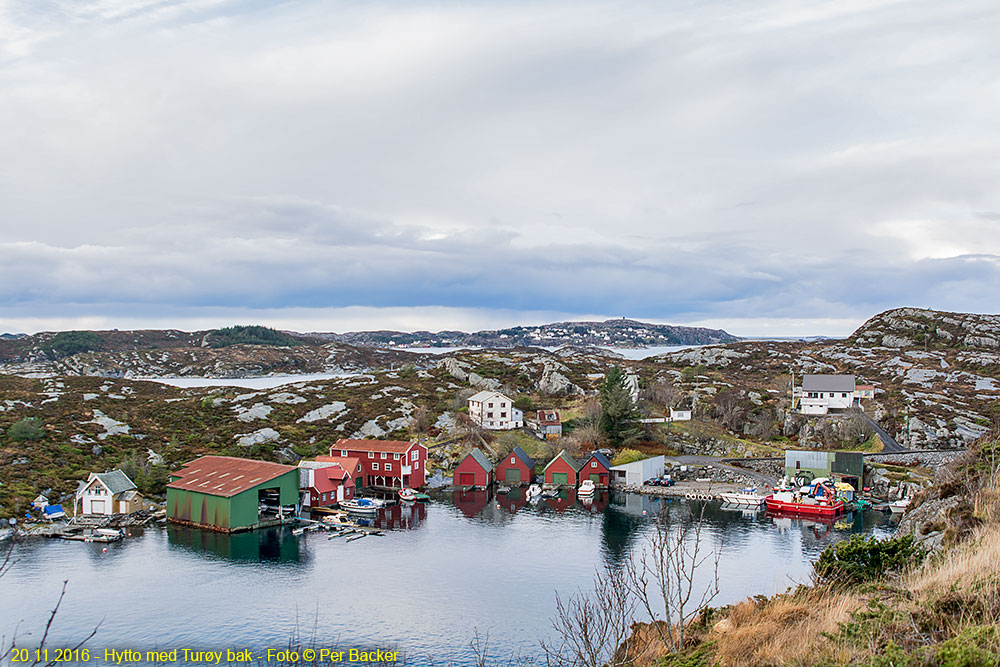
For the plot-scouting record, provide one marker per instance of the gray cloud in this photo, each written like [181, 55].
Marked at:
[773, 160]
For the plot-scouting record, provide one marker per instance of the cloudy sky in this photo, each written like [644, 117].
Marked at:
[771, 167]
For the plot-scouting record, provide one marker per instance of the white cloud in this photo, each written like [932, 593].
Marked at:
[781, 160]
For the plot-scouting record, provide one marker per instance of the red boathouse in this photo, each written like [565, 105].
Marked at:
[474, 470]
[516, 469]
[563, 470]
[597, 468]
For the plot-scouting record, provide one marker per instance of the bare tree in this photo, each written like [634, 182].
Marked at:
[661, 392]
[764, 423]
[592, 409]
[421, 419]
[594, 628]
[729, 410]
[664, 579]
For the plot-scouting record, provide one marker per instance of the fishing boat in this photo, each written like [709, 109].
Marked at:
[746, 497]
[800, 504]
[899, 506]
[587, 488]
[363, 505]
[407, 495]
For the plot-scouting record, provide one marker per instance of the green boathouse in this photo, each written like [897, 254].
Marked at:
[230, 494]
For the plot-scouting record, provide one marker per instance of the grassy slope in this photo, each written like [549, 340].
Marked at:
[946, 611]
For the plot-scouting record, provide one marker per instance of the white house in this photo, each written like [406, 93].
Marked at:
[821, 393]
[637, 472]
[494, 411]
[107, 493]
[680, 415]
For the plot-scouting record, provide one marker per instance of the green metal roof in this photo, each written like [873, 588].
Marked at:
[576, 465]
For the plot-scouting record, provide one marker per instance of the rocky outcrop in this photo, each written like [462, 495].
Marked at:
[708, 356]
[554, 383]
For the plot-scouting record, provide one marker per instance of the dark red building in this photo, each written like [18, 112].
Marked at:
[596, 468]
[517, 468]
[386, 463]
[563, 470]
[475, 470]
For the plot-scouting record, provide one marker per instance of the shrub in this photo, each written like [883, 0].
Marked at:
[627, 456]
[249, 335]
[68, 343]
[26, 429]
[523, 403]
[861, 559]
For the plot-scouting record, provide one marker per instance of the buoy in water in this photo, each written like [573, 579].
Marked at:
[104, 550]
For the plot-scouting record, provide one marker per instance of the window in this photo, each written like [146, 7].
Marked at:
[374, 466]
[503, 414]
[343, 452]
[324, 497]
[844, 395]
[489, 405]
[383, 455]
[371, 455]
[388, 467]
[416, 465]
[414, 456]
[489, 415]
[512, 460]
[593, 464]
[395, 457]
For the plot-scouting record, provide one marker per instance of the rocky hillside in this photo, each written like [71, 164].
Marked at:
[620, 333]
[931, 330]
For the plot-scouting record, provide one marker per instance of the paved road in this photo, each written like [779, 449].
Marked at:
[889, 444]
[691, 459]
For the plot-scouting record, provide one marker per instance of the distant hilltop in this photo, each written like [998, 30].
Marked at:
[610, 333]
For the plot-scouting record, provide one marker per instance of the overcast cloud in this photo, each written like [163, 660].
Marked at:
[773, 167]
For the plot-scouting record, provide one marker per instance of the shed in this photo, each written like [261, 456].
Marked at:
[596, 468]
[845, 467]
[637, 472]
[516, 468]
[563, 470]
[107, 493]
[474, 470]
[230, 494]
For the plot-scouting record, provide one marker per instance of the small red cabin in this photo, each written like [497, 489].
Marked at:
[474, 470]
[516, 469]
[597, 468]
[563, 470]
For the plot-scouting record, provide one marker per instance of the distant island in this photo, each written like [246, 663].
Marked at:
[610, 333]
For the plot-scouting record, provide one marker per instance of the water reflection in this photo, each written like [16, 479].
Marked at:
[402, 516]
[270, 545]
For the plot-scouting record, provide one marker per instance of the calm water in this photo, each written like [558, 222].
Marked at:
[442, 570]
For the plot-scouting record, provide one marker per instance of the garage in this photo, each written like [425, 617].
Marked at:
[512, 476]
[98, 507]
[560, 478]
[475, 470]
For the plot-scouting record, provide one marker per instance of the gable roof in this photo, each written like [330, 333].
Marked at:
[485, 394]
[479, 457]
[115, 480]
[828, 383]
[576, 465]
[349, 463]
[523, 455]
[226, 475]
[548, 417]
[390, 446]
[600, 458]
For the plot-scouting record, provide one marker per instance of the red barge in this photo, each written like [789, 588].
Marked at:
[788, 502]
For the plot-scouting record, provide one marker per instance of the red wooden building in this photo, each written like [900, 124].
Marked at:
[385, 463]
[517, 468]
[475, 470]
[328, 480]
[563, 470]
[596, 468]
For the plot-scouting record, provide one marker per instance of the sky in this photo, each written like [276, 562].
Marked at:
[777, 167]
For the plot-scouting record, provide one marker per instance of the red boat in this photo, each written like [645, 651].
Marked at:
[788, 502]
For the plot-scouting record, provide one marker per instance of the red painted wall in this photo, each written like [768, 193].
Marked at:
[414, 480]
[560, 465]
[527, 475]
[469, 466]
[589, 469]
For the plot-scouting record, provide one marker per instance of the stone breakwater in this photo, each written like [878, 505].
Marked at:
[691, 490]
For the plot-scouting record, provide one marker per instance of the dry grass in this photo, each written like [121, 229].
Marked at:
[786, 630]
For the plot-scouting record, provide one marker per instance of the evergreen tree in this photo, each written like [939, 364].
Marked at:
[619, 415]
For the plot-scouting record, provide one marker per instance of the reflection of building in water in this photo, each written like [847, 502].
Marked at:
[635, 504]
[513, 500]
[265, 545]
[596, 503]
[562, 502]
[402, 516]
[470, 503]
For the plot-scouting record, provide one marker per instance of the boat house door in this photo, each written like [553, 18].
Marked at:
[512, 475]
[560, 478]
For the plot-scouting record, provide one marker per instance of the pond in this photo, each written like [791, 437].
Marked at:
[464, 562]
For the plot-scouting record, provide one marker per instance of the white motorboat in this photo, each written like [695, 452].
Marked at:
[363, 505]
[746, 497]
[587, 488]
[533, 490]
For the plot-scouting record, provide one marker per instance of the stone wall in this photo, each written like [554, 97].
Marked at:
[930, 458]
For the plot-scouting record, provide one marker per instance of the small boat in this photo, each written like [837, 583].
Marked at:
[899, 506]
[104, 535]
[407, 495]
[746, 497]
[503, 489]
[550, 493]
[356, 537]
[533, 491]
[423, 498]
[363, 505]
[587, 488]
[298, 531]
[788, 502]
